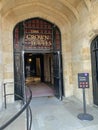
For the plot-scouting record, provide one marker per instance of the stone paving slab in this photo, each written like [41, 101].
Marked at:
[52, 114]
[9, 112]
[18, 124]
[48, 113]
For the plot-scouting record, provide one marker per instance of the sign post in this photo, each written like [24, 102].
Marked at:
[83, 82]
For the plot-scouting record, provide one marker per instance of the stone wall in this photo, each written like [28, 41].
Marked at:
[1, 66]
[83, 33]
[76, 37]
[10, 19]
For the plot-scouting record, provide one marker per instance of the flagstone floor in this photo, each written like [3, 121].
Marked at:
[48, 113]
[39, 89]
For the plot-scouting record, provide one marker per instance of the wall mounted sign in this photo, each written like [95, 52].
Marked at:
[38, 40]
[36, 34]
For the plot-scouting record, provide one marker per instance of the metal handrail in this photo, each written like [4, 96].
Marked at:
[25, 106]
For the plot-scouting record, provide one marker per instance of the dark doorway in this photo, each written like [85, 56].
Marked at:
[94, 60]
[34, 66]
[34, 40]
[39, 73]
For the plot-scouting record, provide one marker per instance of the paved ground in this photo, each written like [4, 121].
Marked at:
[9, 112]
[51, 114]
[41, 89]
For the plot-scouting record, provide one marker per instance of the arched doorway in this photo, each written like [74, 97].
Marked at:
[94, 61]
[41, 40]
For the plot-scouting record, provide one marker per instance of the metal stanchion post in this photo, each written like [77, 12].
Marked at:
[83, 82]
[85, 116]
[5, 95]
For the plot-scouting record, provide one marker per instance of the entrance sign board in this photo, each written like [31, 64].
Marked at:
[83, 80]
[36, 34]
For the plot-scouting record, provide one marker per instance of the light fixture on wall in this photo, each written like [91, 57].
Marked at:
[30, 60]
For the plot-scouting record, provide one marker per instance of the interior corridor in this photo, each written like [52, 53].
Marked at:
[38, 74]
[38, 88]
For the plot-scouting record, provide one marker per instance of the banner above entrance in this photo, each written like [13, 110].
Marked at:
[36, 34]
[38, 40]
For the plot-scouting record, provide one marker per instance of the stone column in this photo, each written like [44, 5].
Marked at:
[1, 65]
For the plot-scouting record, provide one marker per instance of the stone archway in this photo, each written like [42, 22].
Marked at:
[37, 36]
[14, 14]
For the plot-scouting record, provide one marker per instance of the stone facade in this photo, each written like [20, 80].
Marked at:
[78, 23]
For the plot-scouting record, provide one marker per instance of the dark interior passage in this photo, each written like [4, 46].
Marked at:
[38, 74]
[34, 66]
